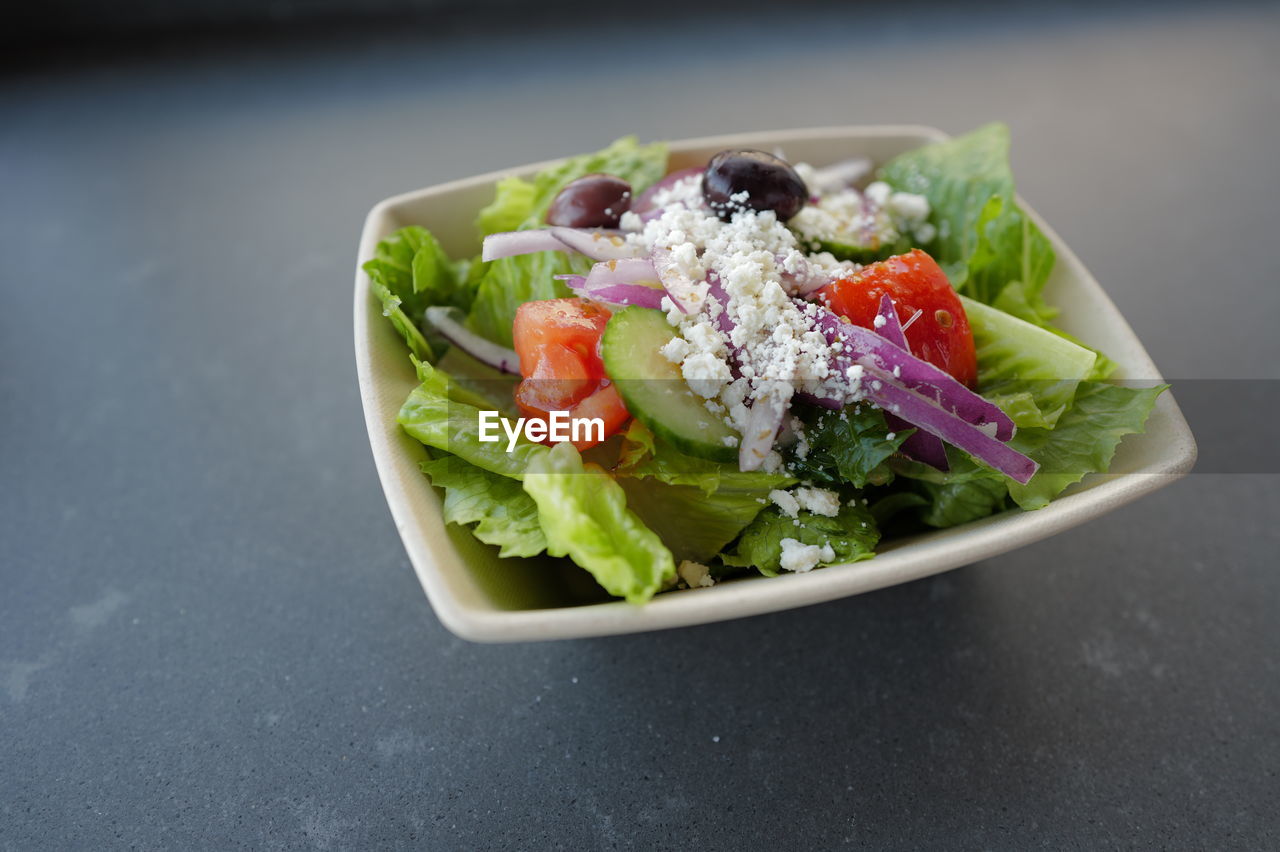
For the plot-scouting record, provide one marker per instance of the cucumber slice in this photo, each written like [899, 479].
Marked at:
[655, 392]
[862, 254]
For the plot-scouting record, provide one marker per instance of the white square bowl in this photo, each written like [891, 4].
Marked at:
[484, 598]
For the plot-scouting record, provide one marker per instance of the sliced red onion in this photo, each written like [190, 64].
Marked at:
[840, 175]
[480, 348]
[512, 243]
[724, 323]
[767, 413]
[616, 294]
[632, 281]
[633, 270]
[644, 203]
[921, 446]
[891, 328]
[596, 243]
[687, 295]
[866, 347]
[926, 414]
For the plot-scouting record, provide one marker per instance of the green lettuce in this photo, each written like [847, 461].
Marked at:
[852, 535]
[965, 492]
[511, 207]
[498, 507]
[1084, 439]
[583, 513]
[409, 273]
[985, 241]
[851, 446]
[697, 506]
[511, 281]
[443, 415]
[392, 281]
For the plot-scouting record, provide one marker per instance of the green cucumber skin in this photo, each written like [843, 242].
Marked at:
[632, 361]
[862, 254]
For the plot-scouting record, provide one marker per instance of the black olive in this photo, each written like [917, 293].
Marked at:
[591, 201]
[770, 183]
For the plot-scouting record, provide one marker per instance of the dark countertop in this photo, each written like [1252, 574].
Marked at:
[210, 636]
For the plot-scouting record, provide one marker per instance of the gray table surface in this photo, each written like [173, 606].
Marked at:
[210, 635]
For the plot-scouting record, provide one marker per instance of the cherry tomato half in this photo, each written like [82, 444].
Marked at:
[914, 281]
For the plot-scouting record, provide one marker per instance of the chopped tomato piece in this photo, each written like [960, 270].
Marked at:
[576, 324]
[558, 341]
[915, 282]
[560, 376]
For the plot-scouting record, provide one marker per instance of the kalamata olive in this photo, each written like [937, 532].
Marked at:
[768, 181]
[591, 201]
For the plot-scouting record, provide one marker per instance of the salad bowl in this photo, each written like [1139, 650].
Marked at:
[482, 597]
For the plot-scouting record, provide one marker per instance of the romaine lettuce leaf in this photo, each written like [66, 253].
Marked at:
[851, 446]
[510, 281]
[1083, 441]
[965, 492]
[511, 207]
[584, 515]
[985, 242]
[696, 506]
[502, 513]
[391, 278]
[644, 455]
[852, 534]
[439, 413]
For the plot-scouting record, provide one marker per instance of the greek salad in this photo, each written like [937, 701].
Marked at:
[673, 377]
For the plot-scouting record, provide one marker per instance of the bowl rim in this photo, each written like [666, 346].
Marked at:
[462, 610]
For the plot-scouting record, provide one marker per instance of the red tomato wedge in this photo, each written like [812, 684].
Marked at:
[914, 281]
[558, 341]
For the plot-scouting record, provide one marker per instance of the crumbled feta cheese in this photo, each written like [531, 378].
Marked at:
[819, 501]
[785, 501]
[909, 206]
[695, 574]
[706, 374]
[754, 263]
[799, 557]
[878, 193]
[880, 321]
[676, 350]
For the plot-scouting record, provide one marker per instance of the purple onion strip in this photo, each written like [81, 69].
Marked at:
[866, 347]
[615, 294]
[881, 388]
[921, 446]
